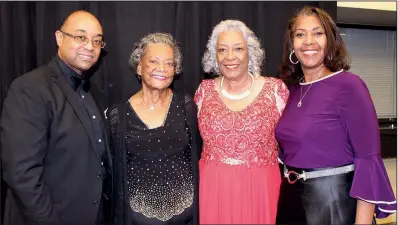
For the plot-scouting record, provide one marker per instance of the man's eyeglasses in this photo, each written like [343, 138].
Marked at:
[83, 40]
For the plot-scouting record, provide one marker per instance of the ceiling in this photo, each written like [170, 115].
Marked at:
[359, 16]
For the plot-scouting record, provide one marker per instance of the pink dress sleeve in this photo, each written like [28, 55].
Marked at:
[199, 95]
[281, 95]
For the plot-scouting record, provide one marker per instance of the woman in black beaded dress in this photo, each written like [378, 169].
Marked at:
[155, 142]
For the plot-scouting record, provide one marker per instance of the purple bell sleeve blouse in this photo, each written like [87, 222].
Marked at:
[359, 120]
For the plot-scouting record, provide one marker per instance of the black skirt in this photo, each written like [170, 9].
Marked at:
[323, 200]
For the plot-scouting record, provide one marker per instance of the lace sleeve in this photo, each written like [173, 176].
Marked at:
[199, 95]
[116, 121]
[281, 93]
[113, 120]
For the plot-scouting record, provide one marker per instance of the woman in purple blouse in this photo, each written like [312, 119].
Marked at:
[328, 133]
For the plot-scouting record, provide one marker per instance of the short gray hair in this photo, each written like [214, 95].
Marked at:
[141, 45]
[255, 51]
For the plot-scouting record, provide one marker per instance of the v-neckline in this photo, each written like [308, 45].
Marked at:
[165, 118]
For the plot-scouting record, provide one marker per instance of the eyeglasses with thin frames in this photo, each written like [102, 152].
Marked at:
[83, 40]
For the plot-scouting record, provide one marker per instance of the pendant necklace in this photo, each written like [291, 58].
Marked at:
[154, 106]
[302, 96]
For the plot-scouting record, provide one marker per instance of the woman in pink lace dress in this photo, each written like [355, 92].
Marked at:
[238, 112]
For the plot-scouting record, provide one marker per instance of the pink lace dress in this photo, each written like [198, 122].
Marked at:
[239, 173]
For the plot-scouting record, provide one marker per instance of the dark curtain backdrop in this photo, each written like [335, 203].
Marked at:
[27, 38]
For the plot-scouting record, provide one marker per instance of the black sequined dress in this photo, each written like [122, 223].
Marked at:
[155, 179]
[159, 172]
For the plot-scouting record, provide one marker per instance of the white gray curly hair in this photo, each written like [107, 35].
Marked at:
[255, 51]
[140, 47]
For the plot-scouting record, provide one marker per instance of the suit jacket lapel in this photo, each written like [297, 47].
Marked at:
[71, 97]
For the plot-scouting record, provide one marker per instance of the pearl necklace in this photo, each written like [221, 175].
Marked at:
[236, 96]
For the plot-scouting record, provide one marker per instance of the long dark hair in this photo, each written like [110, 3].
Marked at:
[336, 58]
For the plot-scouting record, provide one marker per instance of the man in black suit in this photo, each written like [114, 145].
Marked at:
[55, 153]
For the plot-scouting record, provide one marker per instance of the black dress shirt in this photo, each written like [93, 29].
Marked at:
[81, 85]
